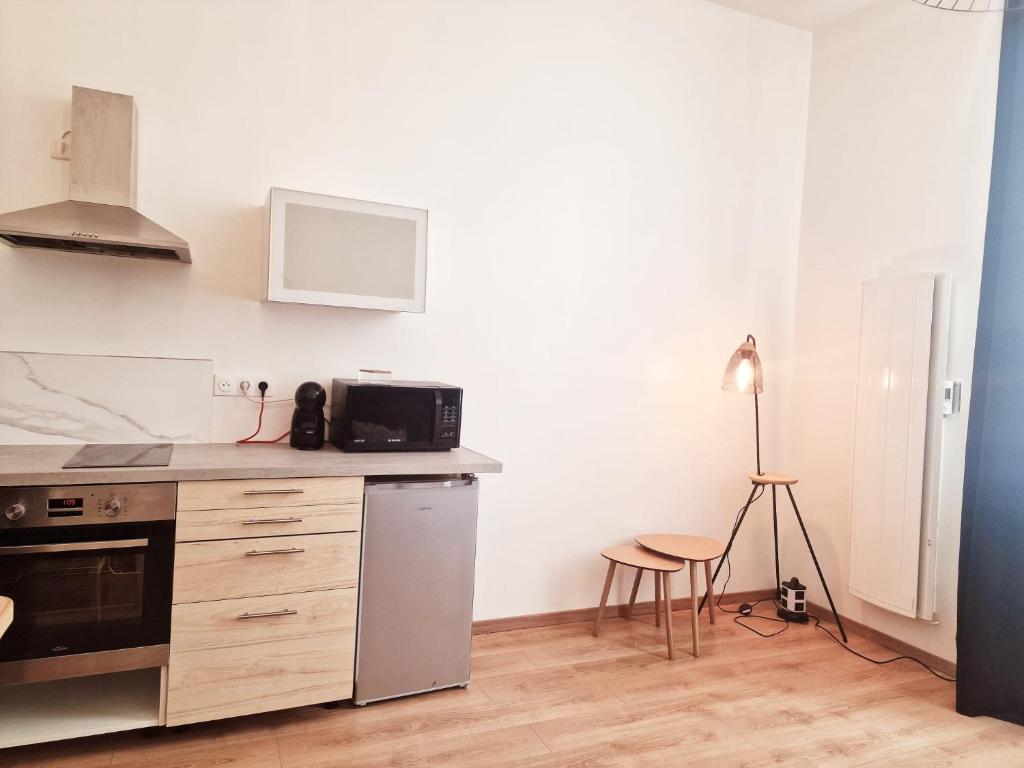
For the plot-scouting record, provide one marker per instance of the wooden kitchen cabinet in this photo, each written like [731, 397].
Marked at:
[256, 654]
[222, 624]
[274, 565]
[209, 524]
[266, 580]
[269, 493]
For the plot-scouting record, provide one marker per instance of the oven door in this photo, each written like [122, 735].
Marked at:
[392, 418]
[87, 599]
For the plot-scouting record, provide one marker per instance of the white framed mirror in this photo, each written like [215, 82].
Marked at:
[341, 252]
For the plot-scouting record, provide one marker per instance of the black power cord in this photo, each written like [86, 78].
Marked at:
[756, 631]
[728, 562]
[827, 631]
[746, 611]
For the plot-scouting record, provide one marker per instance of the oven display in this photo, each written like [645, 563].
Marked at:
[59, 504]
[70, 507]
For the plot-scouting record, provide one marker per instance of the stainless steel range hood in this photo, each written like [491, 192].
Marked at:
[100, 217]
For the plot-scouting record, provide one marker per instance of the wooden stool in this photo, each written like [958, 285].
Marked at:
[693, 549]
[643, 560]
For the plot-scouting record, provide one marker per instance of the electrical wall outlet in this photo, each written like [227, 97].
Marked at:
[224, 384]
[248, 384]
[241, 385]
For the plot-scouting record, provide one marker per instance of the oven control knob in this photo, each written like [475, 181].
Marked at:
[15, 512]
[112, 507]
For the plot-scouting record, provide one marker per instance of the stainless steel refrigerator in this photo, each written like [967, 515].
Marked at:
[416, 587]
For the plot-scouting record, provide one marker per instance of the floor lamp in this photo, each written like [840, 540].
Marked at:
[743, 375]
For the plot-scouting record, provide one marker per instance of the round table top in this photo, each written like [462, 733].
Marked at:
[772, 478]
[638, 557]
[683, 547]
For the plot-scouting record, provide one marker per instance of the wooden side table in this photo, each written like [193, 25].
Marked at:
[692, 549]
[643, 560]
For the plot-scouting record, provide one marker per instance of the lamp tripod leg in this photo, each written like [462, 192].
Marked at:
[814, 557]
[732, 538]
[775, 532]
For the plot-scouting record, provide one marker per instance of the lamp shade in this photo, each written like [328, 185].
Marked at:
[743, 373]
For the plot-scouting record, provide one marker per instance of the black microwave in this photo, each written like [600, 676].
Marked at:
[400, 416]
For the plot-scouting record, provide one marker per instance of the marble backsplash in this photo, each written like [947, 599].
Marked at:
[54, 398]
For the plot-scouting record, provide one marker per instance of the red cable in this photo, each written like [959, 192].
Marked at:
[259, 426]
[275, 440]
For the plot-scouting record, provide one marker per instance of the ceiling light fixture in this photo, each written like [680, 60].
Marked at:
[974, 6]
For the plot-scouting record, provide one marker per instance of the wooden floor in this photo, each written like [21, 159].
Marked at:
[555, 696]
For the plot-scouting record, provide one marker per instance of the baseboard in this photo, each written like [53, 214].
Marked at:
[487, 626]
[900, 647]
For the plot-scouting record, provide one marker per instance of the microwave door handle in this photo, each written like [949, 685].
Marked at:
[79, 546]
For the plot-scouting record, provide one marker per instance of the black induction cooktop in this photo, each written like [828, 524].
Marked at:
[121, 455]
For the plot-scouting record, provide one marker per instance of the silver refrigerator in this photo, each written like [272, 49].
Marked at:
[416, 587]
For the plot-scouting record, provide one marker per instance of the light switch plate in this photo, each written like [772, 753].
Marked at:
[951, 398]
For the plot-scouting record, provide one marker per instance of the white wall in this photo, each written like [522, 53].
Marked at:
[899, 150]
[614, 194]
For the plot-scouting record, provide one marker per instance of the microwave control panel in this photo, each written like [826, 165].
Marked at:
[451, 418]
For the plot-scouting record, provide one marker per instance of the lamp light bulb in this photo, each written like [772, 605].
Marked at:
[744, 375]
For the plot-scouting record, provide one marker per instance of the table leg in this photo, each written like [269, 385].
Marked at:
[693, 606]
[817, 567]
[711, 590]
[632, 595]
[657, 598]
[604, 594]
[775, 533]
[668, 613]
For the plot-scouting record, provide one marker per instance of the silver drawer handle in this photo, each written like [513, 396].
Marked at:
[267, 614]
[289, 551]
[273, 490]
[270, 520]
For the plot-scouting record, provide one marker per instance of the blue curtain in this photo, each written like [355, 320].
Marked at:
[990, 626]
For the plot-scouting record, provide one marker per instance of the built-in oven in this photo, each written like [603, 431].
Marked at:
[89, 568]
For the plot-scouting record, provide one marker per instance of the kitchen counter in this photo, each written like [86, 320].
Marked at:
[41, 464]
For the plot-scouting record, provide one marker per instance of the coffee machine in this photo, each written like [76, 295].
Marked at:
[308, 419]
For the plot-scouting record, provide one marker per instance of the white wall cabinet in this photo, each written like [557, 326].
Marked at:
[342, 252]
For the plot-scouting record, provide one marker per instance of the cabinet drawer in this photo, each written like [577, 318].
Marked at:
[287, 492]
[207, 524]
[306, 658]
[248, 620]
[218, 570]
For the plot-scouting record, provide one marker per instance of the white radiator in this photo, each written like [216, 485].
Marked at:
[889, 533]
